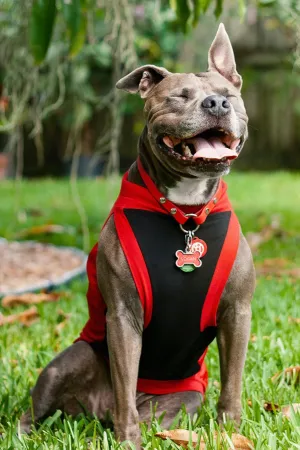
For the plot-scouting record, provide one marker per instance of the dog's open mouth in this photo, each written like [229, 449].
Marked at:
[213, 145]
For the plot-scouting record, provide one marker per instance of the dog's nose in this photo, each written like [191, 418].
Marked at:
[217, 105]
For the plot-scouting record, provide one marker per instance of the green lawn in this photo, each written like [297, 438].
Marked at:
[256, 198]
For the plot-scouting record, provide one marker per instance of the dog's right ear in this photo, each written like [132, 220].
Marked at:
[142, 80]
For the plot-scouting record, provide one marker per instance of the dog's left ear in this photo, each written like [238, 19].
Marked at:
[143, 79]
[221, 58]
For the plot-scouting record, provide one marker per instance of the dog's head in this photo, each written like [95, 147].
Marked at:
[196, 123]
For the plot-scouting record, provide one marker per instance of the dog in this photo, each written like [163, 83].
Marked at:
[172, 269]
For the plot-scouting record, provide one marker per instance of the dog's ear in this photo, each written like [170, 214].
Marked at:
[221, 58]
[142, 80]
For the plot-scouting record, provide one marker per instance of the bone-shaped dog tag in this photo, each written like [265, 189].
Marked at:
[190, 259]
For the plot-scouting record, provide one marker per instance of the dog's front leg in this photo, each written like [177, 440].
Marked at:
[124, 331]
[124, 344]
[233, 336]
[234, 318]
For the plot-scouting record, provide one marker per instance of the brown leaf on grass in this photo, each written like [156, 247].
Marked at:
[63, 318]
[180, 437]
[13, 362]
[294, 320]
[268, 406]
[287, 410]
[34, 212]
[63, 314]
[27, 317]
[183, 437]
[47, 228]
[240, 442]
[291, 374]
[255, 239]
[31, 299]
[59, 327]
[277, 267]
[271, 407]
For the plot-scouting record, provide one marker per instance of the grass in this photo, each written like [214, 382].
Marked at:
[24, 351]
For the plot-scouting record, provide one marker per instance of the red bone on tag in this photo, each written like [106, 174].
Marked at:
[188, 258]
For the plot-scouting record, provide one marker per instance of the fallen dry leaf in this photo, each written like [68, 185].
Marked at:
[291, 374]
[59, 327]
[277, 267]
[34, 212]
[271, 407]
[30, 299]
[47, 228]
[255, 239]
[287, 410]
[183, 437]
[294, 320]
[63, 318]
[63, 314]
[26, 317]
[240, 442]
[268, 406]
[180, 437]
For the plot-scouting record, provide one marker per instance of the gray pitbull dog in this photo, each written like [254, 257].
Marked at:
[178, 106]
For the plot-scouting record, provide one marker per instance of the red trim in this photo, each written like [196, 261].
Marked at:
[197, 382]
[136, 263]
[221, 274]
[95, 328]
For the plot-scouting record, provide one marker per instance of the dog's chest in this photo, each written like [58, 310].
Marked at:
[189, 192]
[172, 342]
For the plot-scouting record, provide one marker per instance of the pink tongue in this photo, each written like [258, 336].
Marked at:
[212, 149]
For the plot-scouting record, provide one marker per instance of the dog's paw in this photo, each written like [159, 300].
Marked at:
[130, 434]
[26, 423]
[229, 415]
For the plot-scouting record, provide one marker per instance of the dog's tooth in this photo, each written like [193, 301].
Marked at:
[186, 150]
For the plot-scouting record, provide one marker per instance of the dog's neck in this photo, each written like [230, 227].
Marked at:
[180, 190]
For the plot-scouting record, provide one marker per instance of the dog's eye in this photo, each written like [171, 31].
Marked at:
[185, 93]
[179, 96]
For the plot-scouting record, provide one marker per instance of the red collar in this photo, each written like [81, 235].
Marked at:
[179, 215]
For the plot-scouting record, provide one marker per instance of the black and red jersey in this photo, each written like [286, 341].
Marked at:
[180, 307]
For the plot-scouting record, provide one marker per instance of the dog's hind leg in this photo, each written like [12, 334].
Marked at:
[169, 404]
[77, 380]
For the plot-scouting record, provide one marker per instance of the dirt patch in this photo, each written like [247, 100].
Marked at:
[28, 266]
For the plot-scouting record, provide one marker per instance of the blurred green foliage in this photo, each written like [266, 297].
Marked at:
[74, 14]
[67, 51]
[60, 59]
